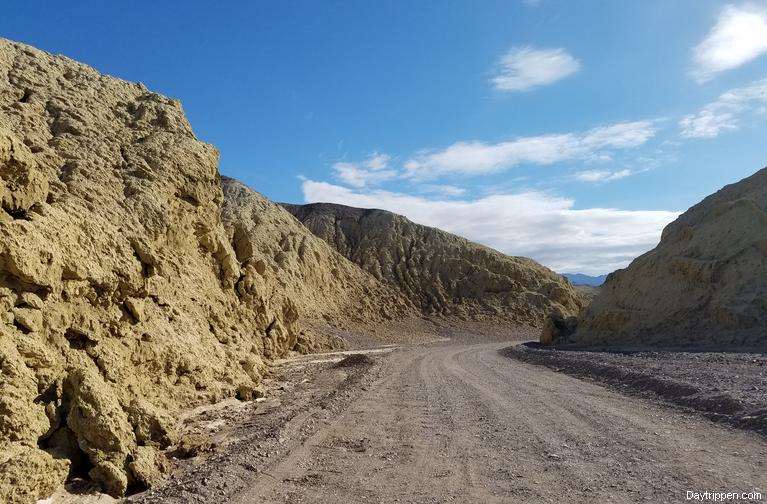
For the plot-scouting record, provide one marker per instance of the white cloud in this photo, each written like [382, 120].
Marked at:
[724, 113]
[524, 68]
[445, 190]
[739, 36]
[533, 224]
[373, 170]
[475, 158]
[601, 175]
[708, 123]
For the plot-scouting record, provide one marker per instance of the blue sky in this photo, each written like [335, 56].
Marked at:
[571, 132]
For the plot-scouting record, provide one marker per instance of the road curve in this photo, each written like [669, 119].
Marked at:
[462, 423]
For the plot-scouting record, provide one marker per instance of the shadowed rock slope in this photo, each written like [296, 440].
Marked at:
[705, 284]
[122, 299]
[442, 274]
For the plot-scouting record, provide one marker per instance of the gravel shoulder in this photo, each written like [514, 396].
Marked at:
[724, 387]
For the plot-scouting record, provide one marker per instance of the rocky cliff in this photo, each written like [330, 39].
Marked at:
[122, 299]
[705, 284]
[282, 261]
[440, 273]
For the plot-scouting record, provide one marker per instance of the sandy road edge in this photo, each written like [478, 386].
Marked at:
[227, 472]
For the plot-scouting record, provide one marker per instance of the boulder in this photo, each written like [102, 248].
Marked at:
[558, 328]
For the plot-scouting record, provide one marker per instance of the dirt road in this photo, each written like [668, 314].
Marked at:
[463, 423]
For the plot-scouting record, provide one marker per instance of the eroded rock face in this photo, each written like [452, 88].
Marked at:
[705, 284]
[442, 274]
[25, 471]
[121, 297]
[282, 261]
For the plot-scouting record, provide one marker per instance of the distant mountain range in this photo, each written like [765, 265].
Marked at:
[581, 279]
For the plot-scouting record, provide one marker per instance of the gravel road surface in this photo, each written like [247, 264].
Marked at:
[463, 423]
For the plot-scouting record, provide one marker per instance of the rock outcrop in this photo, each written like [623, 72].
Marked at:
[704, 285]
[440, 273]
[122, 299]
[283, 262]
